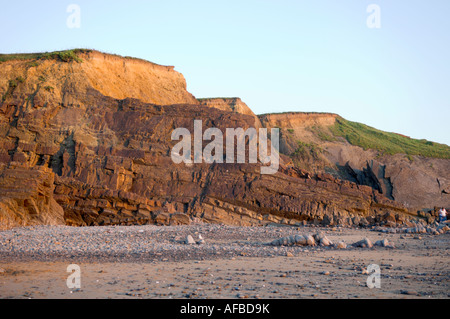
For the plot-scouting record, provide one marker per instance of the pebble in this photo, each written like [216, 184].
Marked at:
[409, 292]
[174, 243]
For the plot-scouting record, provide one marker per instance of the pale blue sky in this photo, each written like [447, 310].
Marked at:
[276, 55]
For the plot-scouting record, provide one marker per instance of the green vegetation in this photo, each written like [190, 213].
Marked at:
[42, 78]
[49, 88]
[12, 84]
[322, 134]
[307, 151]
[387, 143]
[19, 56]
[64, 56]
[33, 64]
[290, 130]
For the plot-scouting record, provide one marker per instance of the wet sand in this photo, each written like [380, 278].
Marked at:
[233, 263]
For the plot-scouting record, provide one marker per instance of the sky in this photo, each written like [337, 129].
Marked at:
[388, 68]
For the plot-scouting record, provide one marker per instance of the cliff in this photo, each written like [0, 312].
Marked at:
[87, 141]
[411, 172]
[56, 81]
[234, 105]
[297, 120]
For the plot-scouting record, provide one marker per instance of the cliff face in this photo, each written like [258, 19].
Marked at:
[78, 153]
[234, 105]
[298, 121]
[50, 81]
[298, 140]
[26, 196]
[416, 181]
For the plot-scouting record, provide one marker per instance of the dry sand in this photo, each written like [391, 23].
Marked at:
[153, 262]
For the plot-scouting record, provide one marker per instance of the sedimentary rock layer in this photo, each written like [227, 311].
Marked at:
[76, 149]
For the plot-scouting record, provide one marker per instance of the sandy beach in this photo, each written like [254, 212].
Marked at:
[234, 262]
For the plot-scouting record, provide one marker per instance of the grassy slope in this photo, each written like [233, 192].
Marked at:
[387, 143]
[65, 56]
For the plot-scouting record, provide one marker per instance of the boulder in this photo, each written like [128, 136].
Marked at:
[322, 240]
[299, 240]
[200, 240]
[364, 243]
[310, 240]
[389, 217]
[384, 243]
[341, 245]
[189, 240]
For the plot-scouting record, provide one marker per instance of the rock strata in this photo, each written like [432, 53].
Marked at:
[86, 152]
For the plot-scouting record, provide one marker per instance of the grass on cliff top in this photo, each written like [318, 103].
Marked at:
[387, 143]
[64, 56]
